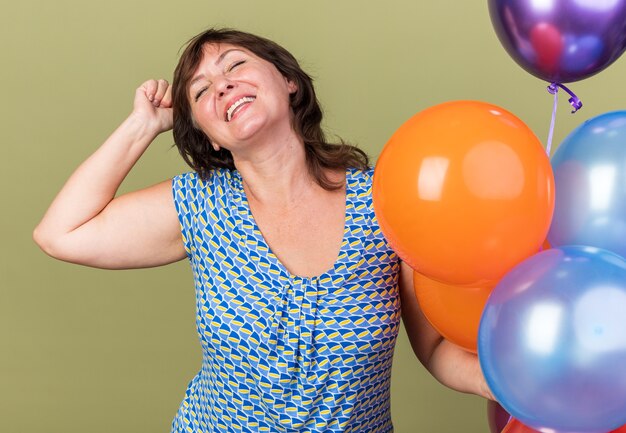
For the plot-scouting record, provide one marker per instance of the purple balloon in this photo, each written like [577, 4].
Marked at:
[561, 41]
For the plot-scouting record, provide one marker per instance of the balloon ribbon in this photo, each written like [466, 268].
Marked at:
[574, 102]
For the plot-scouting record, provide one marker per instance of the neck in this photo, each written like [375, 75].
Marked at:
[276, 174]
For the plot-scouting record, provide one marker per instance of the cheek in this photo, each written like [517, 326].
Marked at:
[204, 124]
[204, 116]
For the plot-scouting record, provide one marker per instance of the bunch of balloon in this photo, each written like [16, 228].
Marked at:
[463, 191]
[551, 341]
[561, 41]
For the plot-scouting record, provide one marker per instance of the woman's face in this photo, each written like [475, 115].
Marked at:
[235, 96]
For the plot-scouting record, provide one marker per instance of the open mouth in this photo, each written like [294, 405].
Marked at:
[237, 105]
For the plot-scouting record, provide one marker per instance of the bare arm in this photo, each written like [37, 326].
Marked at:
[85, 224]
[449, 364]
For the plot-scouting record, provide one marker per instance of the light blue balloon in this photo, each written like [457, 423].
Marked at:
[552, 340]
[590, 185]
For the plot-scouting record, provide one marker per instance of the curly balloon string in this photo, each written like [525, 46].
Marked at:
[574, 101]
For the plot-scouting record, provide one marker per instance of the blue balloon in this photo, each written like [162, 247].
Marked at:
[552, 340]
[590, 185]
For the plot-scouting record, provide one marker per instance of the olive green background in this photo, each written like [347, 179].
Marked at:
[87, 350]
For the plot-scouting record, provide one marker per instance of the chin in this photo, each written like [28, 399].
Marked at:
[249, 128]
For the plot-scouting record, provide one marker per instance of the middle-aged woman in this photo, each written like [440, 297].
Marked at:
[297, 292]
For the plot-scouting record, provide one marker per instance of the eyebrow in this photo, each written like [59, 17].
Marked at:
[217, 62]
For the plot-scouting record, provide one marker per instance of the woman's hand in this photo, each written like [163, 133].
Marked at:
[448, 363]
[153, 105]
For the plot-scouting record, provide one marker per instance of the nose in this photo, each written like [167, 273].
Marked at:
[224, 87]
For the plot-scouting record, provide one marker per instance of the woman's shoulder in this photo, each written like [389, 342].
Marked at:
[194, 179]
[191, 184]
[362, 177]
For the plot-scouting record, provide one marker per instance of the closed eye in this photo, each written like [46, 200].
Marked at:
[199, 93]
[235, 64]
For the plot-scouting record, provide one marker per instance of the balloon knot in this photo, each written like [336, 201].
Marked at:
[552, 88]
[574, 101]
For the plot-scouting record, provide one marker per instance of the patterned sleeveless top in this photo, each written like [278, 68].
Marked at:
[283, 353]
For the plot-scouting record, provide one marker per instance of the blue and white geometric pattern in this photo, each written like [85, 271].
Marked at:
[282, 353]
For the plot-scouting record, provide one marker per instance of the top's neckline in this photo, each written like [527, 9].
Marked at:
[341, 254]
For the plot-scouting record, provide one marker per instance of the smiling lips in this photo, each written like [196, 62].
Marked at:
[237, 105]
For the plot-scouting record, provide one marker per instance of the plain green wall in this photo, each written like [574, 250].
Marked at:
[84, 350]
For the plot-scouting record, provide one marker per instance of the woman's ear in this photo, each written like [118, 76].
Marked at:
[292, 87]
[216, 146]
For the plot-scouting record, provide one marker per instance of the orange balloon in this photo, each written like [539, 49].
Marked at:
[463, 191]
[453, 311]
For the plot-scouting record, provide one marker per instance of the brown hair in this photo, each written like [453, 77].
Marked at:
[195, 147]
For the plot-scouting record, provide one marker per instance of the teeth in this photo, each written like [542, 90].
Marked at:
[237, 104]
